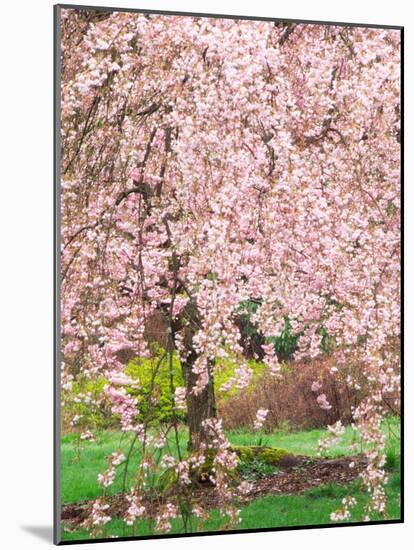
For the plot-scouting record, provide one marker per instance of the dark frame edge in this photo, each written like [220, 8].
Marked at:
[56, 275]
[228, 16]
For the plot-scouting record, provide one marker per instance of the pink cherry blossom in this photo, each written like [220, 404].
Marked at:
[323, 402]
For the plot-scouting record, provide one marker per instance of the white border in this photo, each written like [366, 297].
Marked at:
[27, 275]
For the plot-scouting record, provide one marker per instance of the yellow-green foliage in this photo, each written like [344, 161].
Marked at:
[244, 453]
[153, 376]
[92, 386]
[224, 370]
[79, 401]
[154, 373]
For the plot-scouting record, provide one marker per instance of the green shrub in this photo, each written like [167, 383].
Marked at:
[224, 370]
[256, 462]
[286, 344]
[83, 401]
[255, 469]
[153, 377]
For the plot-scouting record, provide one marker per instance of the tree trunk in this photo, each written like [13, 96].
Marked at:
[203, 405]
[199, 407]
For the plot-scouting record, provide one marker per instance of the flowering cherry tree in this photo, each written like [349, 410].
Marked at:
[206, 162]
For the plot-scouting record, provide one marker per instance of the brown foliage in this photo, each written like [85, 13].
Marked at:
[291, 401]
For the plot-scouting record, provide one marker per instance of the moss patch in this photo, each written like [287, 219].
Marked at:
[268, 455]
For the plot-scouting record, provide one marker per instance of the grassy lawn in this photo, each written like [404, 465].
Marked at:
[311, 508]
[79, 473]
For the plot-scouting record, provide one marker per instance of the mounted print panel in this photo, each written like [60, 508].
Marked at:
[228, 290]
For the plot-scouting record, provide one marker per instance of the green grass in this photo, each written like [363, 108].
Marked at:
[311, 508]
[79, 475]
[79, 472]
[306, 442]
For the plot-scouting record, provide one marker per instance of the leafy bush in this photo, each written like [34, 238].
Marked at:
[252, 340]
[153, 375]
[83, 402]
[250, 471]
[286, 344]
[256, 461]
[224, 370]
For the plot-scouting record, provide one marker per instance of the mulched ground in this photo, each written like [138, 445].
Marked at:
[311, 474]
[305, 473]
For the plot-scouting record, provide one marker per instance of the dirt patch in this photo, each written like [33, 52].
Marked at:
[307, 476]
[304, 474]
